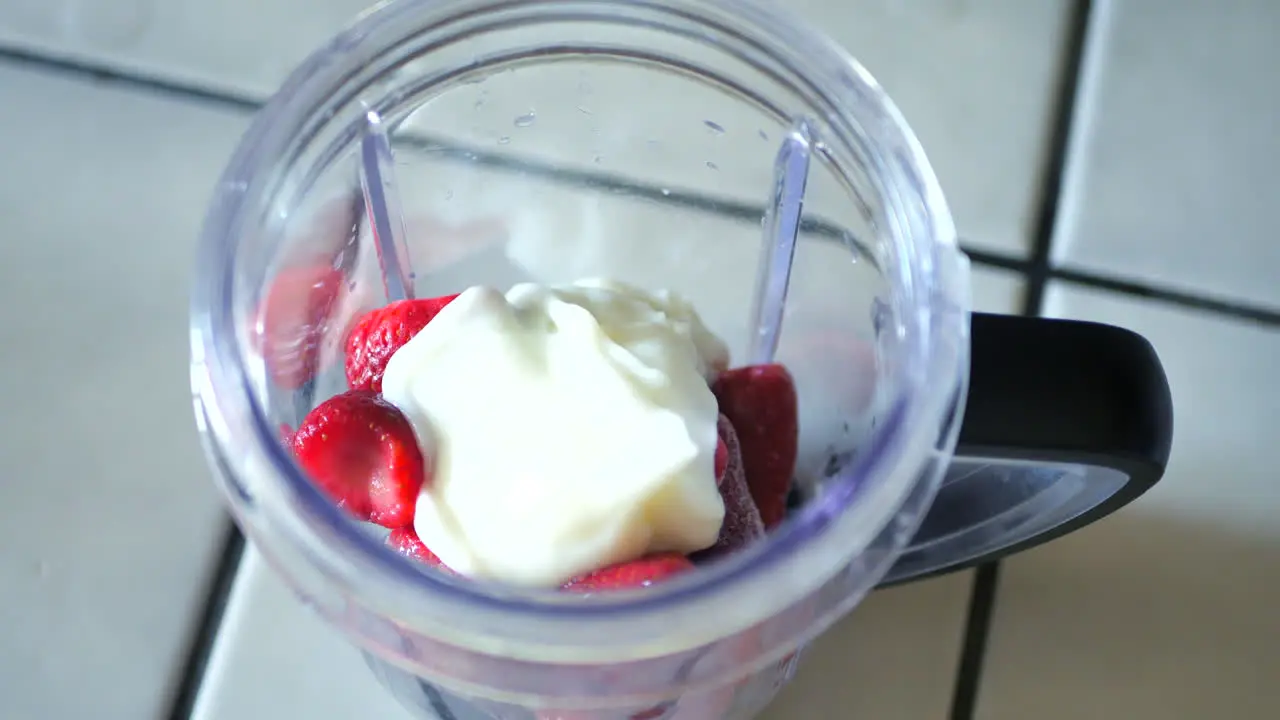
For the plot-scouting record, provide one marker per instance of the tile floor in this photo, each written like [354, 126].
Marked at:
[1165, 611]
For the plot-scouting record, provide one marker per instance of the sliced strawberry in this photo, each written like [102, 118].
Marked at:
[293, 318]
[406, 542]
[634, 574]
[363, 454]
[742, 523]
[760, 401]
[381, 332]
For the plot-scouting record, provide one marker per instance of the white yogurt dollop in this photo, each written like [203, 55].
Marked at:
[570, 427]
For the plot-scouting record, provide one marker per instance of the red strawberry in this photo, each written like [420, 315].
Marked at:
[383, 331]
[406, 542]
[634, 574]
[742, 522]
[760, 401]
[363, 454]
[293, 317]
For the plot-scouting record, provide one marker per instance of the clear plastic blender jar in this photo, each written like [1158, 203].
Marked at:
[552, 140]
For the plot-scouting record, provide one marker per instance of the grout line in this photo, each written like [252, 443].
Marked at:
[1056, 168]
[982, 598]
[999, 261]
[1089, 74]
[1241, 311]
[101, 73]
[208, 626]
[973, 649]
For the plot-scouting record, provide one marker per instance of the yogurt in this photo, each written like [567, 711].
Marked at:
[570, 427]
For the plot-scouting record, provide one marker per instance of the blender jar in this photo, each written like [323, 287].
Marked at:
[553, 140]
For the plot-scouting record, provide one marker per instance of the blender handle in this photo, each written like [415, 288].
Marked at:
[1048, 399]
[1067, 391]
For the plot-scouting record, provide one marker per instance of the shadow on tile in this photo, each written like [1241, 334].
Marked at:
[1140, 618]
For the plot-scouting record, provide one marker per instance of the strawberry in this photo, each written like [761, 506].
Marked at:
[742, 523]
[634, 574]
[293, 318]
[406, 542]
[383, 331]
[760, 402]
[362, 452]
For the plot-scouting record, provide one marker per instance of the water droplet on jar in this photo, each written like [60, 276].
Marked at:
[712, 165]
[881, 315]
[763, 135]
[714, 126]
[584, 111]
[448, 194]
[597, 159]
[504, 140]
[666, 192]
[526, 119]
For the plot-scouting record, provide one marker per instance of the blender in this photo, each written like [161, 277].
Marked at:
[441, 144]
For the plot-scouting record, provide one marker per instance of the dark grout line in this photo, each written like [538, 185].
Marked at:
[152, 84]
[210, 623]
[1241, 311]
[973, 650]
[1059, 146]
[982, 598]
[998, 261]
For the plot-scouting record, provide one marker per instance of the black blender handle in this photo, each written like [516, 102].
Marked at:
[1067, 391]
[1053, 392]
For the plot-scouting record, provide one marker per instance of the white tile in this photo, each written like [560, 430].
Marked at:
[243, 46]
[108, 519]
[996, 291]
[1167, 609]
[976, 80]
[1172, 175]
[274, 659]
